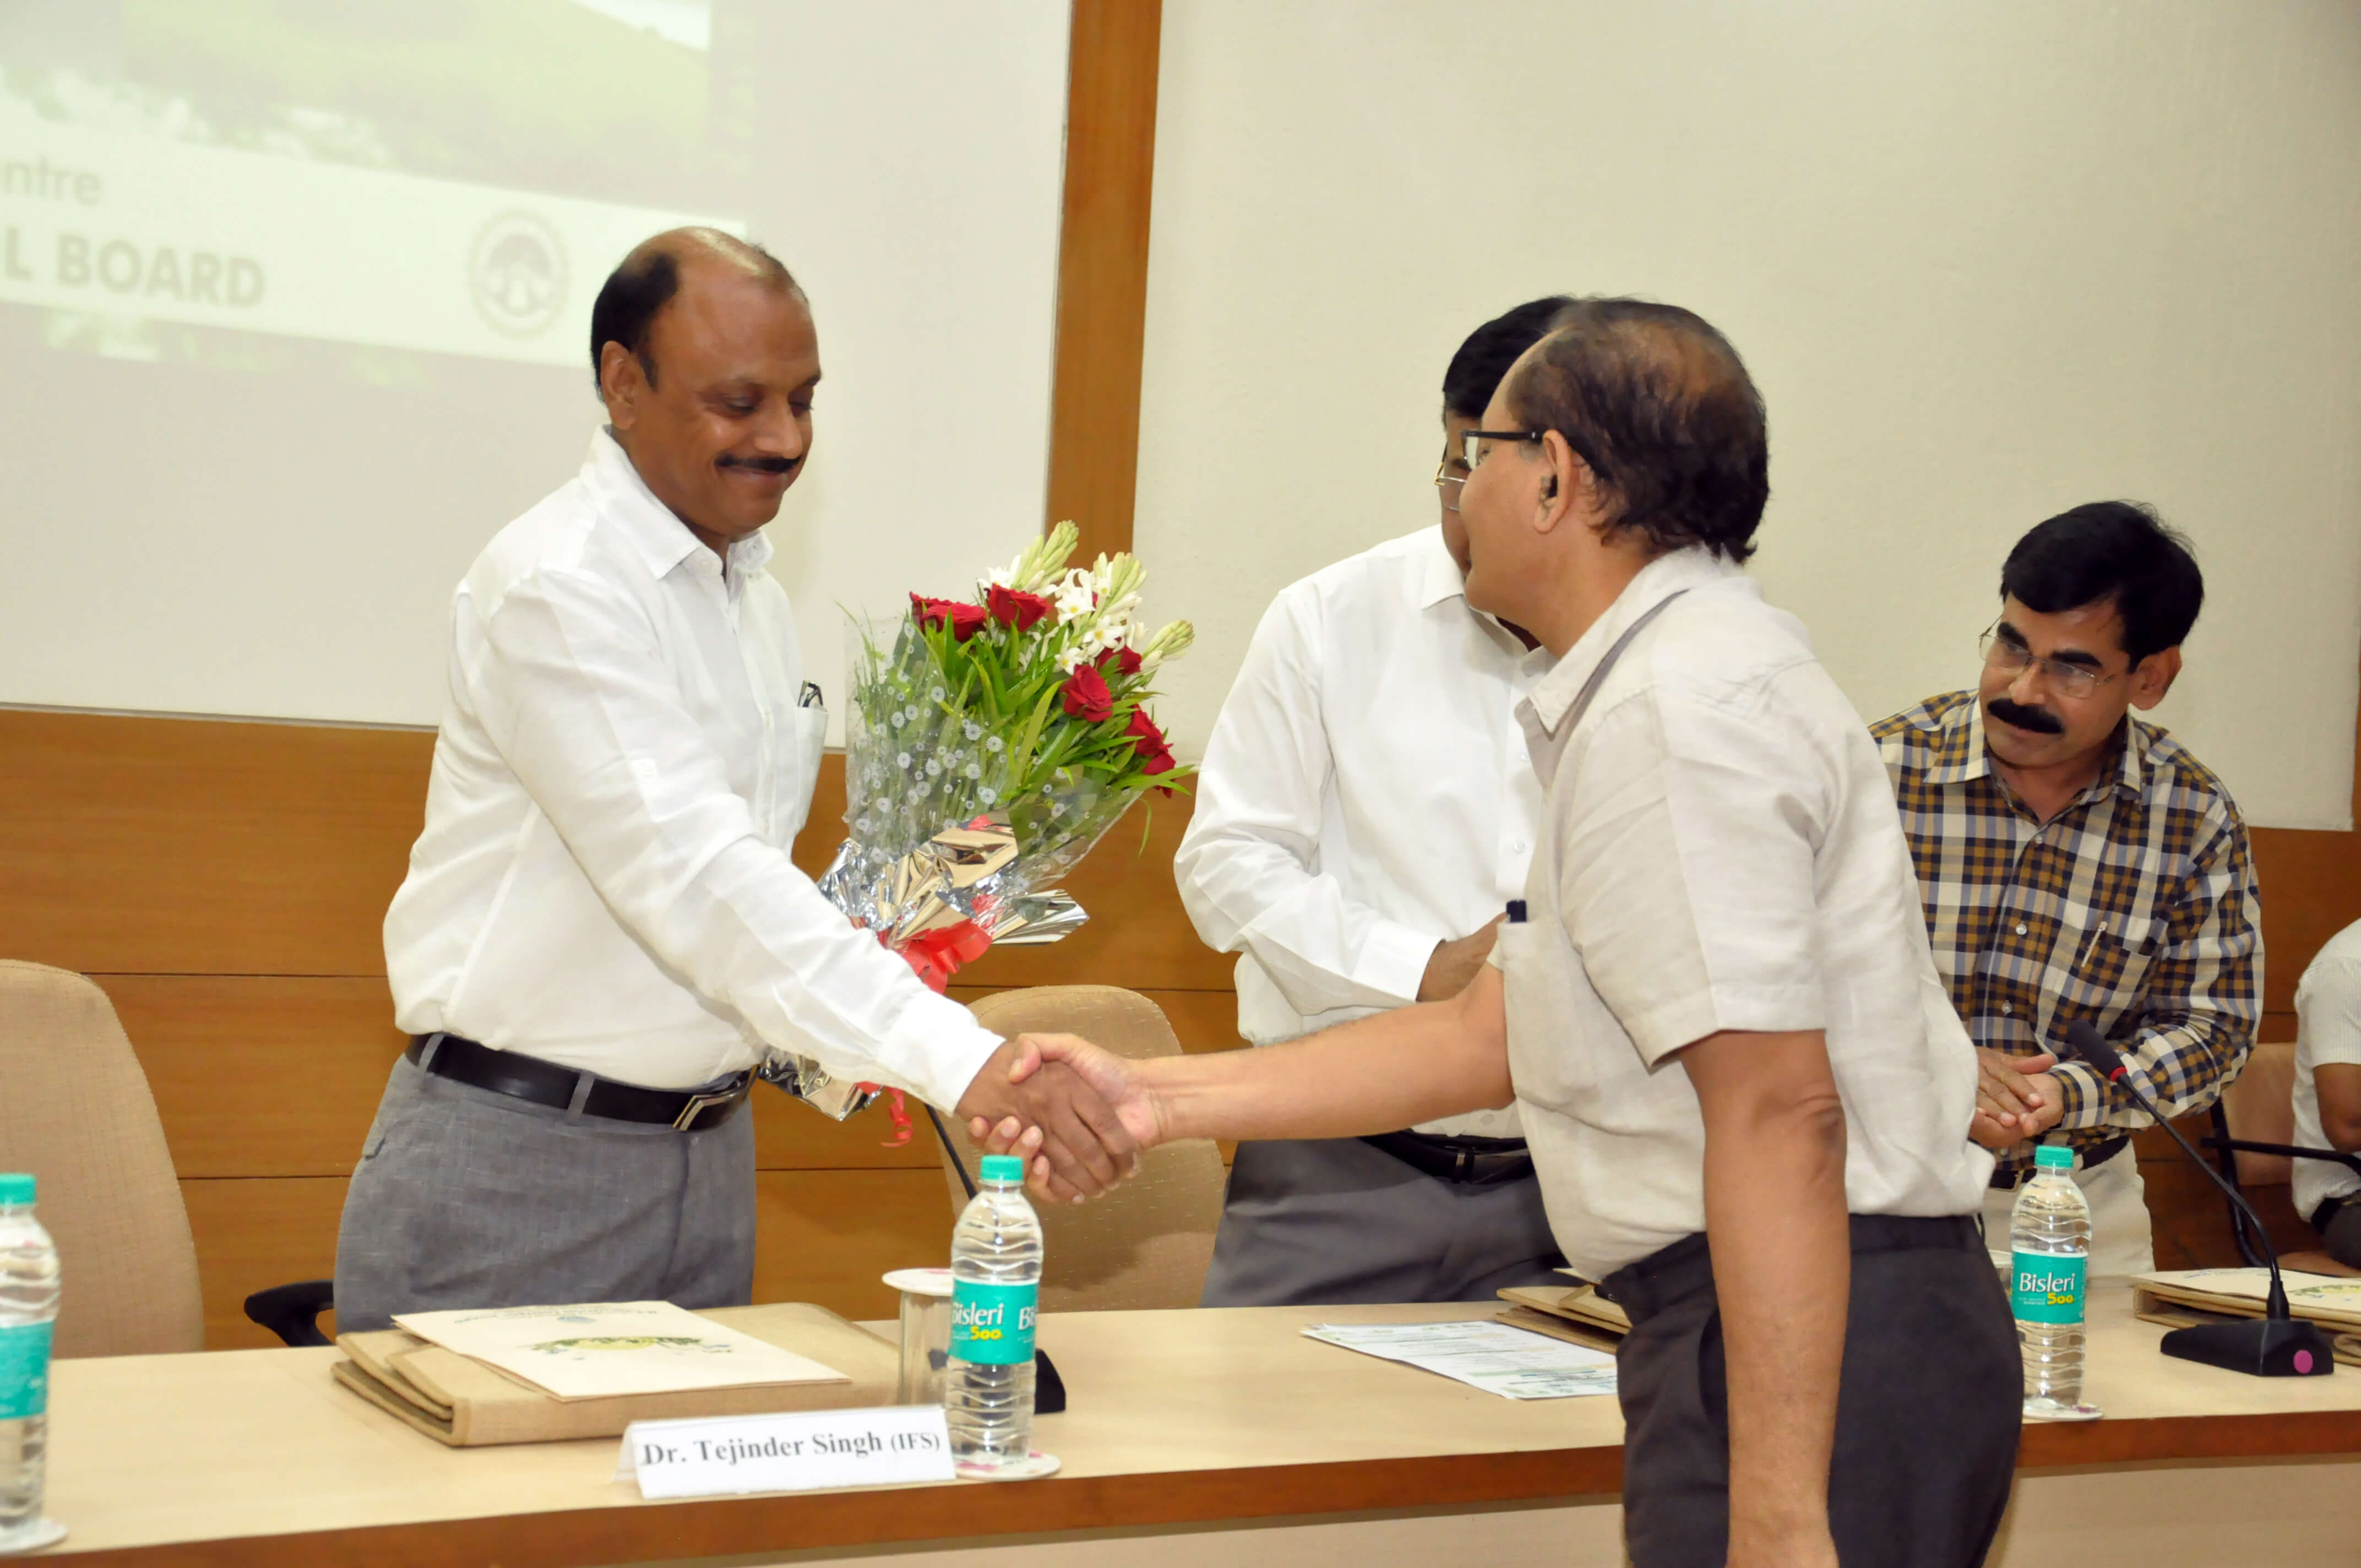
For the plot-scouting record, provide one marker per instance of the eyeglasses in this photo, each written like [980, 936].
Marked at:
[1470, 442]
[2007, 654]
[1450, 484]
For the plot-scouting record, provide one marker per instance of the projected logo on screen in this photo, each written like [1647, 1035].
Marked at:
[517, 273]
[142, 228]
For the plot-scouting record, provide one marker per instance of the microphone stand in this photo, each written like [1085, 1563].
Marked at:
[2276, 1344]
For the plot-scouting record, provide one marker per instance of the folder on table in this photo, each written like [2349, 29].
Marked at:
[1576, 1313]
[466, 1403]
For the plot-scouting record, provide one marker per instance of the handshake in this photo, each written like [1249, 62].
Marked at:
[1079, 1115]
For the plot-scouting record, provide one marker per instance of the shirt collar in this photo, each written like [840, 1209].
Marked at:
[1961, 754]
[1658, 581]
[1439, 577]
[656, 535]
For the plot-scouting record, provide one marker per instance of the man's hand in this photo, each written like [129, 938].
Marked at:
[1453, 963]
[2016, 1097]
[1082, 1147]
[1113, 1080]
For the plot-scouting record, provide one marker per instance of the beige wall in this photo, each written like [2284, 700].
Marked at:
[1985, 260]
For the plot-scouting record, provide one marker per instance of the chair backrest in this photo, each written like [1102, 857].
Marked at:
[75, 1111]
[2260, 1106]
[1147, 1244]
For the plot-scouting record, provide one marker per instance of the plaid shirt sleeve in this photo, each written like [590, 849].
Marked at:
[2203, 997]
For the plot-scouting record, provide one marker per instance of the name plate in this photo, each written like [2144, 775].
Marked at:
[799, 1450]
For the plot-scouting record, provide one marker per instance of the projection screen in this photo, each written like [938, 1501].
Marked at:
[296, 298]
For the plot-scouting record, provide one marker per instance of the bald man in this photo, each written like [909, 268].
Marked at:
[601, 933]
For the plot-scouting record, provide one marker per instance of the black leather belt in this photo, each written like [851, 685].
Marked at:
[2094, 1156]
[1470, 1162]
[546, 1083]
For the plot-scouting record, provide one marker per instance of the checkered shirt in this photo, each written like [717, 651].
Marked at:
[2135, 908]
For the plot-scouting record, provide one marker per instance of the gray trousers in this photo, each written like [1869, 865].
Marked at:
[1316, 1223]
[1927, 1402]
[465, 1198]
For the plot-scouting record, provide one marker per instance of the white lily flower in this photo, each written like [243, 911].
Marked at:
[1171, 641]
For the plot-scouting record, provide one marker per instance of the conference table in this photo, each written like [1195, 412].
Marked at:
[1192, 1437]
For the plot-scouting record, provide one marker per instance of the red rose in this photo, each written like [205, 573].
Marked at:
[1155, 753]
[1126, 660]
[1086, 695]
[1011, 607]
[964, 620]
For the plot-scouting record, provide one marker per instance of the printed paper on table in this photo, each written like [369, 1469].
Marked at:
[1492, 1356]
[599, 1350]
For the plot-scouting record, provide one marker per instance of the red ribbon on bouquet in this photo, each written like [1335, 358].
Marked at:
[934, 958]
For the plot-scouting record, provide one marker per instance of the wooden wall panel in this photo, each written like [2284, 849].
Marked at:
[184, 846]
[256, 1232]
[1103, 268]
[828, 1236]
[261, 1077]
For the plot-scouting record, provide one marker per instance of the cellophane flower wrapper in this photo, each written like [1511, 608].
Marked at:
[989, 745]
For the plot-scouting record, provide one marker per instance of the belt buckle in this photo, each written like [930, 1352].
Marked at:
[700, 1103]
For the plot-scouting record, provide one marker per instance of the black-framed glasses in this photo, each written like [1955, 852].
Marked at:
[2013, 657]
[1469, 440]
[1450, 484]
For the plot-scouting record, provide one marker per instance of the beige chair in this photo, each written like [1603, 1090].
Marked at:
[75, 1111]
[2256, 1118]
[1147, 1244]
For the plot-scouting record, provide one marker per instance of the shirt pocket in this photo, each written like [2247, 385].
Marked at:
[810, 732]
[2110, 967]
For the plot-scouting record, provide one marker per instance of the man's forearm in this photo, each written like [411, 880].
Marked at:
[1413, 1064]
[1775, 1201]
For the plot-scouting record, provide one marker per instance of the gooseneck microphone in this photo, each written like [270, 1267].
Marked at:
[2274, 1345]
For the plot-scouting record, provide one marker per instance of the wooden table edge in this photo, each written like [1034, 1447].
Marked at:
[576, 1538]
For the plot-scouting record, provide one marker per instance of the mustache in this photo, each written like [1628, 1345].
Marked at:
[2040, 720]
[760, 465]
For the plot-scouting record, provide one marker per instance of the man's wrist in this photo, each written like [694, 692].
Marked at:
[2081, 1098]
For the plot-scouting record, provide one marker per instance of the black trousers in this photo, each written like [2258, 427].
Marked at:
[1928, 1407]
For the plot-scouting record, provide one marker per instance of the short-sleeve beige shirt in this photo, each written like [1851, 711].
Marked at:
[1719, 851]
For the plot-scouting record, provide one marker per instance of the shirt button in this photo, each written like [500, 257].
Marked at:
[2008, 1009]
[1516, 847]
[2020, 928]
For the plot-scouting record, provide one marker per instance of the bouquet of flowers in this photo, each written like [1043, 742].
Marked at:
[991, 742]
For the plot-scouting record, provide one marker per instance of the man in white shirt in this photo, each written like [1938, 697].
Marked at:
[1365, 811]
[601, 932]
[2328, 1092]
[1720, 1017]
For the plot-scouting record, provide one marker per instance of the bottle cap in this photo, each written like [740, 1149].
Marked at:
[15, 1187]
[2053, 1156]
[1004, 1168]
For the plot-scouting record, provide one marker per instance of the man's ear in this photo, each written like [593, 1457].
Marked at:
[621, 382]
[1563, 488]
[2154, 677]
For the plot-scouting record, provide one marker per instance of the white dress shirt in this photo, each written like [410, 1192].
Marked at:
[2328, 1030]
[1364, 796]
[1719, 851]
[603, 879]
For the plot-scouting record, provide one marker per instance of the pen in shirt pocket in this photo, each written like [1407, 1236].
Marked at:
[811, 696]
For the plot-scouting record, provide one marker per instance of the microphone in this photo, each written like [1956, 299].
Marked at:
[2274, 1345]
